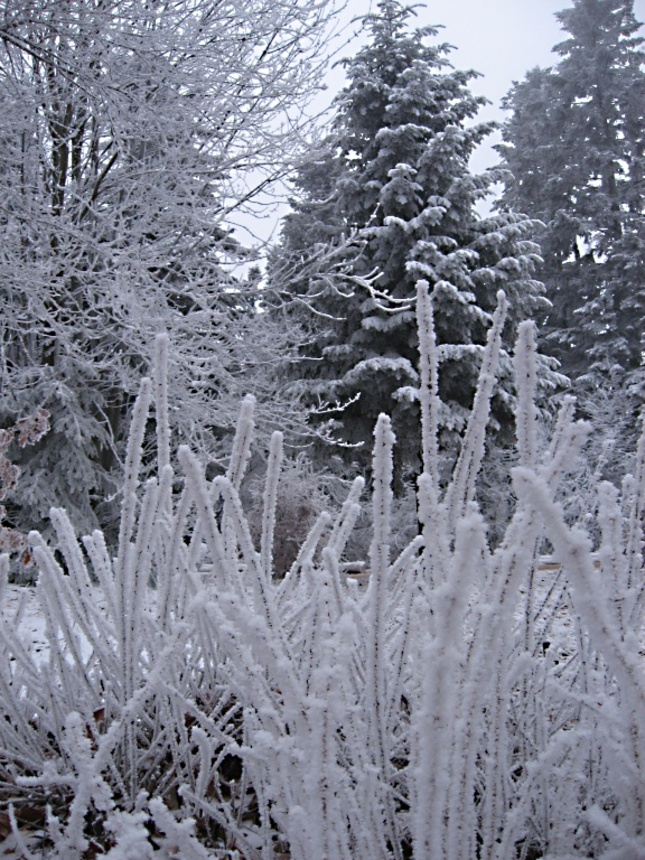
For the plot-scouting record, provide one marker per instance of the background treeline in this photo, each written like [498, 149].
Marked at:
[132, 136]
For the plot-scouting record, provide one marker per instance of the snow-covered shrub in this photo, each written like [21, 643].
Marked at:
[469, 702]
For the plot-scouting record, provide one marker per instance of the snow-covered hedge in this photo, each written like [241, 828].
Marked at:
[465, 703]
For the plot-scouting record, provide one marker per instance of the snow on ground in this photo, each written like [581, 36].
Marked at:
[21, 610]
[20, 607]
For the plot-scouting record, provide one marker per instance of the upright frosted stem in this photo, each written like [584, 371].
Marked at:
[429, 385]
[376, 651]
[526, 376]
[270, 504]
[462, 487]
[161, 400]
[125, 579]
[242, 442]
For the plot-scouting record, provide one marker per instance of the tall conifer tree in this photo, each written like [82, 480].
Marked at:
[389, 191]
[575, 146]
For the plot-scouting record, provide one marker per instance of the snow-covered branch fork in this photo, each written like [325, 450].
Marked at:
[465, 704]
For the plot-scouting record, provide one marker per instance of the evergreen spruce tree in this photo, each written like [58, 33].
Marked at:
[385, 199]
[575, 147]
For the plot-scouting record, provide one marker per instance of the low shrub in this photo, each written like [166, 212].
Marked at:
[469, 702]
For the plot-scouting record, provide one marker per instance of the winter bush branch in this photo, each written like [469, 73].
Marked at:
[469, 702]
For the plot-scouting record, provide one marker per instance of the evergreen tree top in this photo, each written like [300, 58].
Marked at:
[574, 147]
[596, 23]
[389, 33]
[398, 80]
[391, 37]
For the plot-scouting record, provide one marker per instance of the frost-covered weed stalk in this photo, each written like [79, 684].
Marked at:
[467, 703]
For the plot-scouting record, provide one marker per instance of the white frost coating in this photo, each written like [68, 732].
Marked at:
[179, 834]
[468, 702]
[347, 518]
[568, 439]
[375, 675]
[574, 548]
[610, 555]
[242, 442]
[162, 422]
[196, 482]
[270, 500]
[462, 487]
[526, 376]
[304, 559]
[257, 578]
[379, 552]
[429, 385]
[161, 399]
[433, 519]
[132, 465]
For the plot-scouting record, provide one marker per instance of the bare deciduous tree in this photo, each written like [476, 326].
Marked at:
[131, 133]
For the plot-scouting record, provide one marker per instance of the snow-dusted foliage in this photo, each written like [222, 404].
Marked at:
[133, 136]
[385, 198]
[458, 702]
[591, 215]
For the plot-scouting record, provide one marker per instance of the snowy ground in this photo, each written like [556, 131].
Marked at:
[21, 610]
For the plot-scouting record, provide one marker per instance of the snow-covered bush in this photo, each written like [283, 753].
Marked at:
[467, 703]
